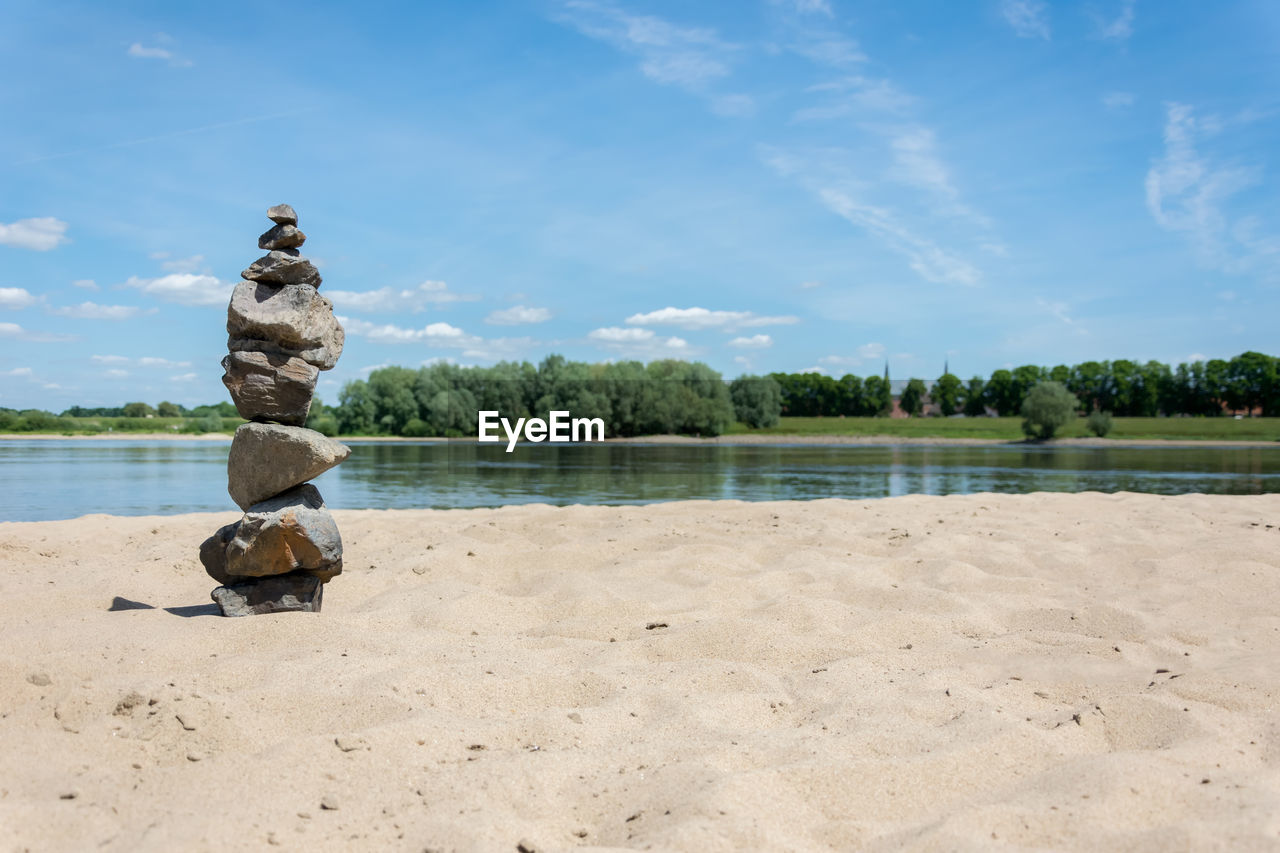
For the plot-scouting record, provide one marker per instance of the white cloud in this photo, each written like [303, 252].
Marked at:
[871, 351]
[810, 285]
[138, 51]
[1029, 18]
[17, 371]
[109, 359]
[39, 234]
[94, 311]
[702, 318]
[1117, 100]
[1121, 27]
[15, 332]
[184, 377]
[753, 342]
[615, 334]
[1186, 192]
[191, 264]
[639, 343]
[388, 300]
[814, 369]
[185, 288]
[115, 373]
[518, 315]
[16, 298]
[85, 284]
[152, 361]
[438, 334]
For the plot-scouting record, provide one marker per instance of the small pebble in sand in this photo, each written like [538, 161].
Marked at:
[329, 803]
[524, 845]
[576, 717]
[68, 795]
[39, 679]
[195, 755]
[350, 743]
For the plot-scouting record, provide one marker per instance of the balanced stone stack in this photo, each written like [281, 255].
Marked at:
[281, 334]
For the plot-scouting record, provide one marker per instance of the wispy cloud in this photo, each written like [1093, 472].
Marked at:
[702, 318]
[855, 96]
[387, 300]
[138, 50]
[928, 260]
[438, 334]
[12, 331]
[1029, 18]
[94, 311]
[185, 288]
[15, 298]
[694, 59]
[25, 372]
[753, 342]
[518, 315]
[689, 57]
[191, 264]
[1120, 27]
[144, 361]
[85, 284]
[39, 234]
[1187, 192]
[1117, 100]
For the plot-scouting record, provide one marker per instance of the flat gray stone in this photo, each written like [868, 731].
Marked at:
[270, 386]
[296, 591]
[289, 319]
[282, 237]
[268, 459]
[213, 555]
[282, 214]
[283, 266]
[290, 532]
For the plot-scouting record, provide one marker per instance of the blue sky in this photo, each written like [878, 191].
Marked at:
[759, 184]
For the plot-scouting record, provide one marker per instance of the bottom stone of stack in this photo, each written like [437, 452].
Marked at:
[296, 591]
[282, 534]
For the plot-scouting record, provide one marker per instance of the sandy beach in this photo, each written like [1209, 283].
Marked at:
[1073, 672]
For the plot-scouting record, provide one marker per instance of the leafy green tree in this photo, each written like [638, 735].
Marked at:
[757, 401]
[1002, 393]
[946, 393]
[1024, 379]
[1099, 423]
[975, 396]
[138, 410]
[356, 410]
[912, 400]
[878, 395]
[1048, 407]
[169, 410]
[852, 399]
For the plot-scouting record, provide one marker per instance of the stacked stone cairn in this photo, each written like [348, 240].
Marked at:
[281, 334]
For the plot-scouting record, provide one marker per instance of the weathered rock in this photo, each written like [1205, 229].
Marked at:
[270, 386]
[282, 214]
[290, 319]
[286, 533]
[267, 459]
[213, 554]
[282, 237]
[294, 591]
[283, 266]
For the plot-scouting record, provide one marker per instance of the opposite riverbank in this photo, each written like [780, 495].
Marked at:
[816, 439]
[1048, 671]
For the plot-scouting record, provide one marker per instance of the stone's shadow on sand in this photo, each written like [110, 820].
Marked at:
[186, 611]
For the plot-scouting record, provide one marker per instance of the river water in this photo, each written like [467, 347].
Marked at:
[51, 479]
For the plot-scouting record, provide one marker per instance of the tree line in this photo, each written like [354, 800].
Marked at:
[1249, 382]
[630, 397]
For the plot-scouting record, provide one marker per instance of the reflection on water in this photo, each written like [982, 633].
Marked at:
[64, 479]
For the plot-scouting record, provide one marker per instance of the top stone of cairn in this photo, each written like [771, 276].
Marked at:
[282, 214]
